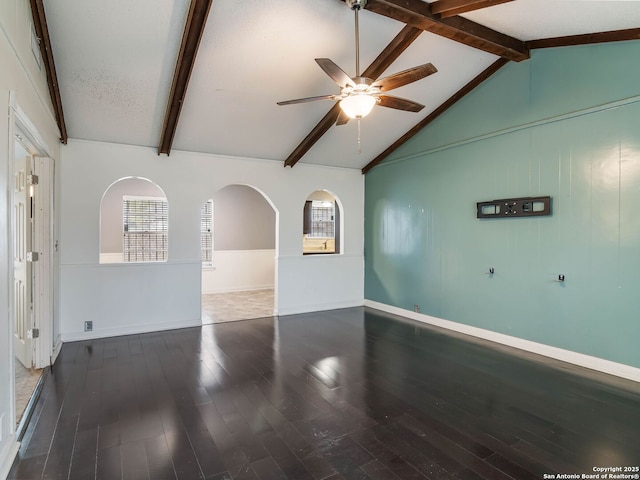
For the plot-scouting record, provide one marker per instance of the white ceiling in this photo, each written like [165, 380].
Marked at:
[115, 61]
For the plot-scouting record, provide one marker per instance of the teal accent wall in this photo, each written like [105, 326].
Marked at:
[566, 123]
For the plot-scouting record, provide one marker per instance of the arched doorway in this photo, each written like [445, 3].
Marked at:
[238, 244]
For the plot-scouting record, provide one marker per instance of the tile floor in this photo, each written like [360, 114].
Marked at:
[232, 306]
[26, 381]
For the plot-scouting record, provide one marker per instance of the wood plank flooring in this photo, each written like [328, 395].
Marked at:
[345, 394]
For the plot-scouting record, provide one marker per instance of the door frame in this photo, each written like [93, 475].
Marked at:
[43, 270]
[30, 137]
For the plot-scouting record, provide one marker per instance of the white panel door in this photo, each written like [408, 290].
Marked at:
[41, 242]
[22, 322]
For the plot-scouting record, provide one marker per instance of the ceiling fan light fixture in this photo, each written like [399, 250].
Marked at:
[356, 4]
[358, 105]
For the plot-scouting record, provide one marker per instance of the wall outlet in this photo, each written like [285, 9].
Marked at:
[416, 308]
[88, 326]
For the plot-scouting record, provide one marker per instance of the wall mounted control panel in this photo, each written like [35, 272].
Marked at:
[514, 207]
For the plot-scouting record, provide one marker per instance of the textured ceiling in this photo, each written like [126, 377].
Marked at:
[535, 19]
[115, 68]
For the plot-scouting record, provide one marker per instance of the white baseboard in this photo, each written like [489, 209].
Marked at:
[568, 356]
[318, 307]
[7, 455]
[56, 350]
[248, 288]
[129, 330]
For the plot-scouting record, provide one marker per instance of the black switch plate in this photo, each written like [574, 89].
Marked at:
[515, 207]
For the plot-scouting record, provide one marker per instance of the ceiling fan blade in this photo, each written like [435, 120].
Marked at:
[399, 103]
[308, 99]
[335, 72]
[405, 77]
[343, 118]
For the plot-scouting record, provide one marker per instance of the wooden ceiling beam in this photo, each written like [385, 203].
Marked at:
[391, 52]
[193, 30]
[586, 39]
[493, 68]
[449, 8]
[42, 32]
[417, 13]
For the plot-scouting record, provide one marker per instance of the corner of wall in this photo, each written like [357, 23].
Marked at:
[8, 451]
[586, 361]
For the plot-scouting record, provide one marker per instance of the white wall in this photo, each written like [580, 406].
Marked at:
[238, 270]
[243, 220]
[188, 180]
[20, 74]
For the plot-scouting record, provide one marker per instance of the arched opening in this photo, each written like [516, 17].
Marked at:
[134, 222]
[238, 250]
[322, 224]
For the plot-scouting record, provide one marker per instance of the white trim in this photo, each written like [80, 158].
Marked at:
[247, 288]
[261, 250]
[130, 330]
[319, 307]
[580, 359]
[56, 350]
[43, 242]
[9, 277]
[308, 258]
[130, 264]
[27, 127]
[8, 455]
[144, 198]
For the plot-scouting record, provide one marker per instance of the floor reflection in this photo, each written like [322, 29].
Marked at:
[350, 393]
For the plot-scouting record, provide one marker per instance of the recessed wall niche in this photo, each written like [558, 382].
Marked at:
[133, 222]
[321, 232]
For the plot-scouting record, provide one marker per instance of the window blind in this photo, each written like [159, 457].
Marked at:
[206, 232]
[145, 229]
[322, 219]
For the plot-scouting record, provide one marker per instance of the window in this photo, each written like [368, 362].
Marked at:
[123, 215]
[145, 222]
[322, 219]
[321, 224]
[206, 233]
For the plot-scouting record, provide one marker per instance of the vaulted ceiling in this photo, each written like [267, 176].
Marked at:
[205, 75]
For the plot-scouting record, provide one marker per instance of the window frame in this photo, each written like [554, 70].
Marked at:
[319, 225]
[156, 236]
[317, 212]
[207, 263]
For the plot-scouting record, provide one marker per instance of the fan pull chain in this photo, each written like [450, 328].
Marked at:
[359, 144]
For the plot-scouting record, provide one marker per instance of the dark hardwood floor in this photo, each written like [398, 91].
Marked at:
[346, 394]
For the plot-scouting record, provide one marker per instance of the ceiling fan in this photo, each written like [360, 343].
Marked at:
[358, 95]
